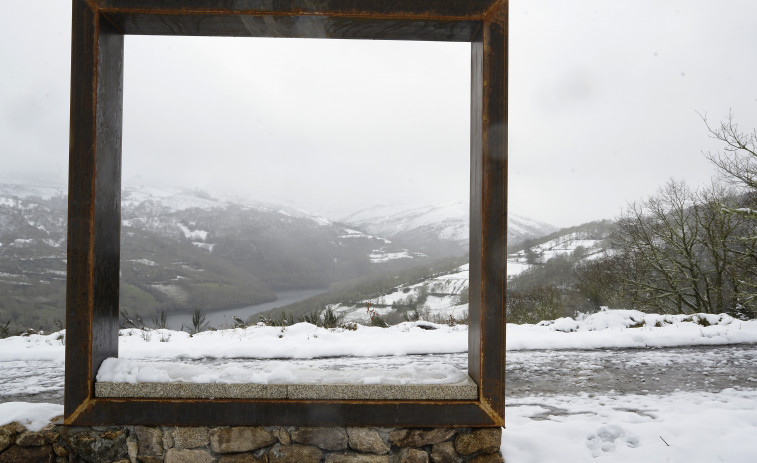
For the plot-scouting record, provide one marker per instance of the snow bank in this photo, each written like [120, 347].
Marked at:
[605, 329]
[33, 347]
[299, 341]
[631, 328]
[273, 372]
[34, 416]
[691, 427]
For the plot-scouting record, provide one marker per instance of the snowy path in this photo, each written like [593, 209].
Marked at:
[529, 373]
[631, 371]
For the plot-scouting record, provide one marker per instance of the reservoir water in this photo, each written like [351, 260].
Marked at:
[223, 318]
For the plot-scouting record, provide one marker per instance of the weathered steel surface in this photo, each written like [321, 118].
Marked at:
[494, 211]
[79, 282]
[94, 196]
[453, 9]
[313, 27]
[94, 213]
[191, 412]
[107, 200]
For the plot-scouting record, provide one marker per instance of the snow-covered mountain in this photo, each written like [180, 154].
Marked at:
[589, 239]
[521, 228]
[180, 249]
[436, 229]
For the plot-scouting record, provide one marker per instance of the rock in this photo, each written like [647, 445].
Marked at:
[242, 458]
[367, 440]
[490, 458]
[60, 450]
[149, 459]
[132, 448]
[325, 438]
[411, 455]
[31, 439]
[167, 439]
[89, 445]
[420, 437]
[294, 453]
[150, 441]
[189, 437]
[444, 452]
[352, 457]
[19, 454]
[8, 433]
[282, 435]
[189, 456]
[486, 440]
[240, 439]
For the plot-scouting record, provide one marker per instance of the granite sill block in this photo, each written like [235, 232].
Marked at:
[466, 390]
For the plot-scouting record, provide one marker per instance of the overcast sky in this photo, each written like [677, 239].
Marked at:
[604, 103]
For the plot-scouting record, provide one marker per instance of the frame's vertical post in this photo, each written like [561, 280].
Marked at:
[489, 218]
[94, 210]
[476, 199]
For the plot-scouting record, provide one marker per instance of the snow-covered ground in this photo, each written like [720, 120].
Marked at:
[699, 424]
[679, 427]
[442, 299]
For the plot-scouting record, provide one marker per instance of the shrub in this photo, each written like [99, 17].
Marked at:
[198, 322]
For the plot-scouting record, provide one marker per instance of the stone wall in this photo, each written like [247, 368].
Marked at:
[170, 444]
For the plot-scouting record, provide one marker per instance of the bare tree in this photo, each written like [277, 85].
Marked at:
[683, 251]
[737, 165]
[737, 162]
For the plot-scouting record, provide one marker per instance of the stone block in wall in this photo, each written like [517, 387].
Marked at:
[352, 457]
[325, 438]
[8, 433]
[411, 455]
[93, 445]
[282, 435]
[150, 441]
[294, 453]
[59, 450]
[240, 439]
[19, 454]
[367, 440]
[31, 439]
[488, 458]
[444, 452]
[149, 459]
[419, 437]
[242, 458]
[486, 440]
[188, 437]
[189, 456]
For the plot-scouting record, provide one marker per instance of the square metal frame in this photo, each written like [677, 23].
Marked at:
[94, 209]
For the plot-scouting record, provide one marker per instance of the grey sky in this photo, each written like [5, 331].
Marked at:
[603, 107]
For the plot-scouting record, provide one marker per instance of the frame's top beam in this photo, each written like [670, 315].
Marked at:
[409, 9]
[439, 20]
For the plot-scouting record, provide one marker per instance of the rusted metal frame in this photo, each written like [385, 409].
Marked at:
[434, 9]
[488, 170]
[493, 51]
[476, 204]
[94, 219]
[194, 412]
[439, 20]
[287, 26]
[94, 212]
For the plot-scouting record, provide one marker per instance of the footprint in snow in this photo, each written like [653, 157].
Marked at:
[606, 437]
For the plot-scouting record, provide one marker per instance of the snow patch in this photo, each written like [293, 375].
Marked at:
[33, 416]
[201, 235]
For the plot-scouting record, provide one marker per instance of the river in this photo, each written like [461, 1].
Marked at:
[221, 318]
